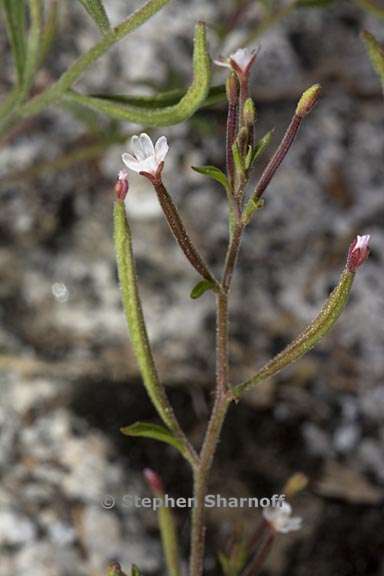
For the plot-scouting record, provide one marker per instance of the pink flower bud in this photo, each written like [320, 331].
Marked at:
[122, 185]
[153, 480]
[358, 252]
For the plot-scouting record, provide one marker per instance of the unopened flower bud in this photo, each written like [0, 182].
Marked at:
[249, 113]
[358, 252]
[308, 100]
[232, 89]
[154, 481]
[122, 185]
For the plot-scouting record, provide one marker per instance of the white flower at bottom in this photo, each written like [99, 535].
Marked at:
[280, 519]
[145, 156]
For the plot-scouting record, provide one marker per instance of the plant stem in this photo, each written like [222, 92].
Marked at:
[222, 364]
[201, 480]
[223, 399]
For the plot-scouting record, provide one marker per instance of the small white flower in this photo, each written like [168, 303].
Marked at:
[361, 242]
[240, 61]
[279, 518]
[145, 156]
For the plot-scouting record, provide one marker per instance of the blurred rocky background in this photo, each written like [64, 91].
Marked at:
[68, 380]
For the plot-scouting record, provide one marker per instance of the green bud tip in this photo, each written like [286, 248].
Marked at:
[308, 100]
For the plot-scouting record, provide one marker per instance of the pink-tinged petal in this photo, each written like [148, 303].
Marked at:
[154, 481]
[146, 145]
[136, 148]
[243, 57]
[161, 149]
[131, 162]
[223, 63]
[122, 185]
[358, 252]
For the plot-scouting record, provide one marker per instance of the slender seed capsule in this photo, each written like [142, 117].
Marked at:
[330, 312]
[177, 227]
[304, 106]
[232, 89]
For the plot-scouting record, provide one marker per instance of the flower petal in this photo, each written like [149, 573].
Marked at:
[146, 145]
[136, 147]
[161, 149]
[131, 162]
[223, 63]
[149, 165]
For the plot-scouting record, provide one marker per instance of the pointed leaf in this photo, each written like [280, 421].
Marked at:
[96, 10]
[376, 54]
[200, 288]
[15, 25]
[214, 173]
[166, 115]
[215, 95]
[260, 147]
[154, 431]
[49, 30]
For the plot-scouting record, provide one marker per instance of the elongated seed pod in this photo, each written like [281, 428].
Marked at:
[178, 229]
[324, 321]
[136, 324]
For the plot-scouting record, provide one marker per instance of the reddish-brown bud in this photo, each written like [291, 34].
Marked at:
[358, 252]
[153, 480]
[122, 185]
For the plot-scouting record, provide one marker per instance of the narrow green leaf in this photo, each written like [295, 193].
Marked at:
[166, 115]
[215, 95]
[200, 288]
[238, 160]
[49, 30]
[323, 322]
[15, 25]
[376, 54]
[214, 173]
[135, 570]
[33, 46]
[96, 10]
[66, 81]
[260, 147]
[154, 431]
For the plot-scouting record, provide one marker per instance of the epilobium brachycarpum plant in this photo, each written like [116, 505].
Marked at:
[242, 150]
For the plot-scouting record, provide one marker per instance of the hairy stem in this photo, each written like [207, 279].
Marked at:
[201, 482]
